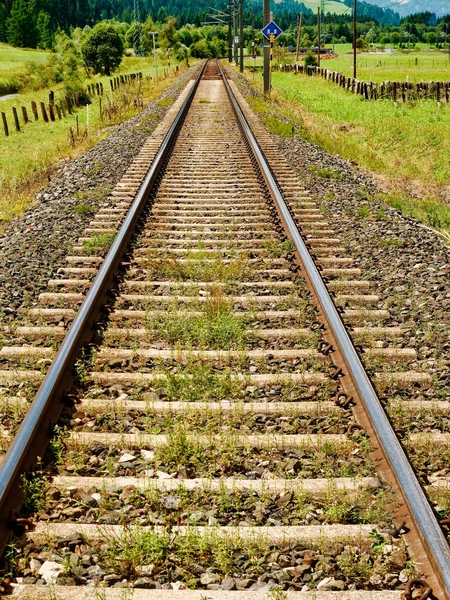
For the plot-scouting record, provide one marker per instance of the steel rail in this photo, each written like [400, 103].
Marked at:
[36, 428]
[431, 534]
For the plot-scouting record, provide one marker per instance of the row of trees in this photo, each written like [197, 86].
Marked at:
[34, 23]
[31, 23]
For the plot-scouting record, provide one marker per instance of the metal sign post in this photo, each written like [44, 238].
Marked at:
[270, 32]
[266, 50]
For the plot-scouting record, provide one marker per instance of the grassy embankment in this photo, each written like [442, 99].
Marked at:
[26, 158]
[407, 146]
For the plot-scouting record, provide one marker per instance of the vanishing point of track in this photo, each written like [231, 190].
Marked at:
[213, 328]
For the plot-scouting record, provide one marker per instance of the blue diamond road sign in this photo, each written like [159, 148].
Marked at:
[271, 31]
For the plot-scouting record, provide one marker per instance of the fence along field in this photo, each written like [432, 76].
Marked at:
[398, 91]
[28, 156]
[416, 65]
[110, 106]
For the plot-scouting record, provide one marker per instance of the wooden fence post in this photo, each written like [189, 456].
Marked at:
[24, 115]
[34, 110]
[5, 124]
[100, 105]
[44, 112]
[69, 104]
[16, 118]
[58, 111]
[51, 112]
[63, 108]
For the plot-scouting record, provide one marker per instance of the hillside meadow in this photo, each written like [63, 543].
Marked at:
[12, 61]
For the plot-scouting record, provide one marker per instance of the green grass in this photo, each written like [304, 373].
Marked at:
[408, 140]
[98, 244]
[422, 65]
[406, 144]
[13, 60]
[210, 330]
[432, 212]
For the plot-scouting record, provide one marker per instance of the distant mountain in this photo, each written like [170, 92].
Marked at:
[409, 7]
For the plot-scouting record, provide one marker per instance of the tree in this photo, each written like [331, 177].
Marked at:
[103, 49]
[45, 34]
[68, 55]
[146, 36]
[306, 41]
[201, 49]
[21, 24]
[310, 59]
[168, 36]
[3, 14]
[395, 38]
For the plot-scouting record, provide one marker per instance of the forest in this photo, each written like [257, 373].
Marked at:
[35, 23]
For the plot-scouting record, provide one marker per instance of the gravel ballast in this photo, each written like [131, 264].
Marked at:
[33, 246]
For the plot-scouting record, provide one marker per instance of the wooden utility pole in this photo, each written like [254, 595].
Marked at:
[230, 35]
[299, 36]
[318, 37]
[153, 34]
[354, 39]
[235, 32]
[241, 36]
[266, 67]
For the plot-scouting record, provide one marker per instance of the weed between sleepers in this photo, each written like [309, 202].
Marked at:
[185, 506]
[185, 456]
[98, 244]
[169, 555]
[215, 328]
[120, 420]
[427, 456]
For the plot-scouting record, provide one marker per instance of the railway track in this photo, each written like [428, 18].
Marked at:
[220, 437]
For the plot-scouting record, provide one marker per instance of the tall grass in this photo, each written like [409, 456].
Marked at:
[408, 145]
[411, 140]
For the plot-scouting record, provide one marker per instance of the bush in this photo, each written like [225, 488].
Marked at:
[75, 87]
[201, 49]
[8, 86]
[310, 59]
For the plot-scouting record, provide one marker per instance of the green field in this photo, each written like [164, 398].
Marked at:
[330, 6]
[12, 62]
[425, 64]
[13, 58]
[405, 144]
